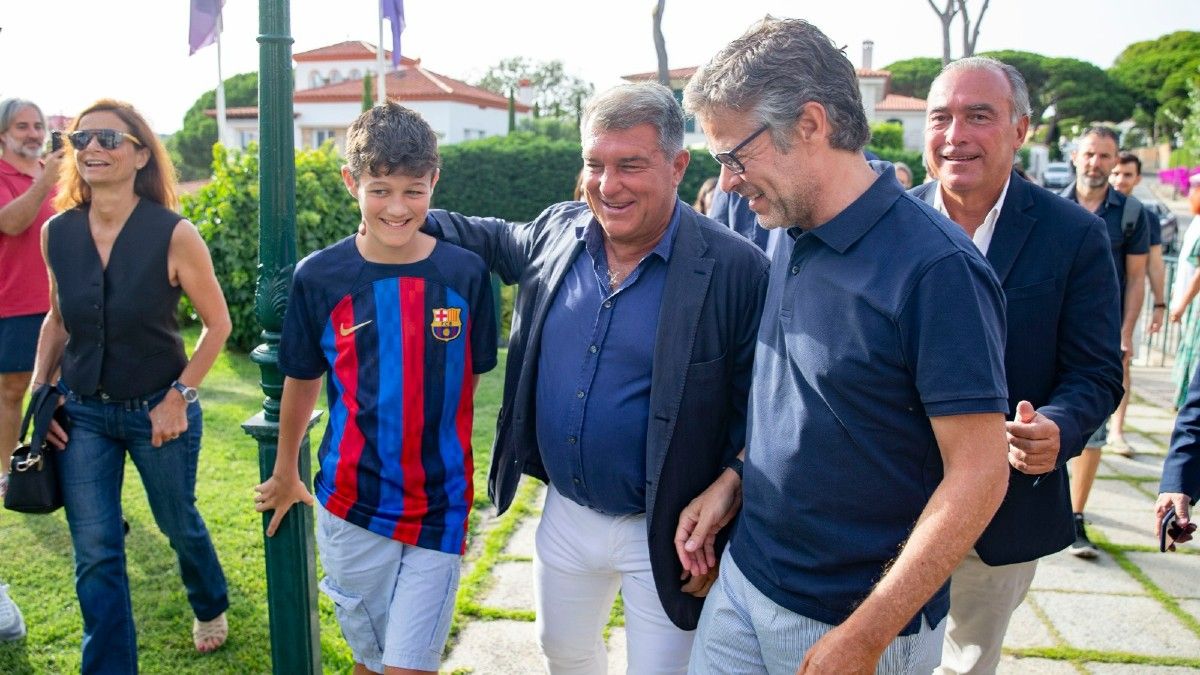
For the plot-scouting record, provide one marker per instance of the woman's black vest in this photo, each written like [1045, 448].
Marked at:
[123, 338]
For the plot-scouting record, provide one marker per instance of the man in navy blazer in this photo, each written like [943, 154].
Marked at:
[1180, 483]
[1062, 357]
[628, 374]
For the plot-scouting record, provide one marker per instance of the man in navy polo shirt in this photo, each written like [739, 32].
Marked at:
[876, 441]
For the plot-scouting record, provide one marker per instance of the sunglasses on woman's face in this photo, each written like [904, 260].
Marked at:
[109, 139]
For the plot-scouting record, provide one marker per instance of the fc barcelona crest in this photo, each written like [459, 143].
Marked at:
[447, 323]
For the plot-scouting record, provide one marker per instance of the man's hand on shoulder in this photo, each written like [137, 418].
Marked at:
[1033, 441]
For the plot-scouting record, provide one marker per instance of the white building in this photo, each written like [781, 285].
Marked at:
[879, 105]
[329, 90]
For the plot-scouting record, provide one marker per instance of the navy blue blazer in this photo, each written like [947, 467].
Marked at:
[1063, 352]
[1181, 469]
[703, 353]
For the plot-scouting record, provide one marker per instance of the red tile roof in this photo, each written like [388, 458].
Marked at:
[410, 83]
[870, 72]
[675, 73]
[897, 102]
[351, 50]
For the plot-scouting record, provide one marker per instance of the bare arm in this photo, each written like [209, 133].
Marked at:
[1156, 272]
[189, 265]
[285, 487]
[1135, 293]
[17, 215]
[52, 340]
[1189, 293]
[973, 449]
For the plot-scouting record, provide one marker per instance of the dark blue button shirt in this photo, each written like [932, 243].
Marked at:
[594, 366]
[875, 321]
[1135, 242]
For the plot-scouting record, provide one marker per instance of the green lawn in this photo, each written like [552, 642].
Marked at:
[37, 560]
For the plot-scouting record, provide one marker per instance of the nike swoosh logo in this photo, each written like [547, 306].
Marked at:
[347, 330]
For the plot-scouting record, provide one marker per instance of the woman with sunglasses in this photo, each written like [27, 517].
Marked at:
[119, 258]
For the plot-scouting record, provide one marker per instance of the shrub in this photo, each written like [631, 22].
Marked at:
[513, 177]
[226, 213]
[912, 158]
[887, 135]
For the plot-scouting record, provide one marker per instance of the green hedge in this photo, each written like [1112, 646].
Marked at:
[226, 213]
[513, 177]
[887, 135]
[912, 158]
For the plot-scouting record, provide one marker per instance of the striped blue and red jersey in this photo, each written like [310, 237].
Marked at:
[400, 345]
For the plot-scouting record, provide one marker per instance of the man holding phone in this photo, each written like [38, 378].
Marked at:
[26, 189]
[1180, 482]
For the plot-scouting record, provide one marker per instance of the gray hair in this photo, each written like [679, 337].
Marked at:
[628, 105]
[772, 70]
[1103, 132]
[9, 108]
[1018, 97]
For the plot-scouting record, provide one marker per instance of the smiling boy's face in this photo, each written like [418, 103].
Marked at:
[393, 209]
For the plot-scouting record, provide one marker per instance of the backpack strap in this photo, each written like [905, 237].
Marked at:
[1129, 217]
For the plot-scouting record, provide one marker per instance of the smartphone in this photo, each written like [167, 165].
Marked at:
[1169, 531]
[1168, 523]
[56, 141]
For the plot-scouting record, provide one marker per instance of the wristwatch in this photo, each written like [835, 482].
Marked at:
[735, 465]
[189, 394]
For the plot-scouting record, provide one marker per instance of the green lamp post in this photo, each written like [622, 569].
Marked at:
[290, 554]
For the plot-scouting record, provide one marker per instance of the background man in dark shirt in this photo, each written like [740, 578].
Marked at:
[1094, 157]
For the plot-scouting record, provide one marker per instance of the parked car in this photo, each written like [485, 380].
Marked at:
[1057, 175]
[1170, 224]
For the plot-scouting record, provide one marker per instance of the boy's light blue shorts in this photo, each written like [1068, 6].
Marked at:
[393, 601]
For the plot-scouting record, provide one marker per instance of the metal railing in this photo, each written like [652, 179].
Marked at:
[1166, 341]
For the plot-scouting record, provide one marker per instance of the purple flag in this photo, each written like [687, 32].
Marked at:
[204, 24]
[393, 10]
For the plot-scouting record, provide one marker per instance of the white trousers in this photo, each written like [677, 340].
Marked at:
[982, 600]
[581, 558]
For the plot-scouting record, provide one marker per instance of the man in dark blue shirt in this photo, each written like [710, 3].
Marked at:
[876, 441]
[1095, 156]
[628, 374]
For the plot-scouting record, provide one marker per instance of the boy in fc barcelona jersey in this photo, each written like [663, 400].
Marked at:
[400, 325]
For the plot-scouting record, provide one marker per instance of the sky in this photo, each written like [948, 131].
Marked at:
[65, 54]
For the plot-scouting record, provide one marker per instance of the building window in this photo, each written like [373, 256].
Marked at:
[246, 137]
[335, 76]
[315, 80]
[322, 135]
[356, 74]
[689, 121]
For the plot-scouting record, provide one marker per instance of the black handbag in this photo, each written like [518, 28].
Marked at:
[33, 475]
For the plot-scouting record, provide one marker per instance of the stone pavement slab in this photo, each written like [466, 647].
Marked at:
[1118, 495]
[1064, 572]
[1177, 574]
[1011, 665]
[496, 647]
[1142, 465]
[616, 652]
[522, 539]
[1117, 623]
[1137, 669]
[1126, 527]
[512, 586]
[1026, 630]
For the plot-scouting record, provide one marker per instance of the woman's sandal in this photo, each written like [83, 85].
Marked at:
[208, 636]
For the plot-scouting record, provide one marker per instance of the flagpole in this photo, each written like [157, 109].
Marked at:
[380, 71]
[222, 122]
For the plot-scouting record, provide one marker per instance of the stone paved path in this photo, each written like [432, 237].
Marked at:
[1133, 610]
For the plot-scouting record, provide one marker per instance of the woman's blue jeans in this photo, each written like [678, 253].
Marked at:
[91, 471]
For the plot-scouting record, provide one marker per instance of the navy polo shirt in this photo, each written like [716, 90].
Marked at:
[1111, 210]
[875, 321]
[594, 367]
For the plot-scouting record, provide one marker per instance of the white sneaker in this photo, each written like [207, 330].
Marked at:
[12, 625]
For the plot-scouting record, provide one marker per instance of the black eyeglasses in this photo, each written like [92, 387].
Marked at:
[729, 160]
[109, 139]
